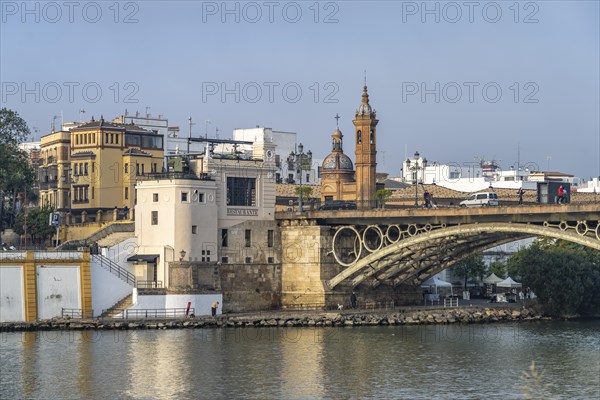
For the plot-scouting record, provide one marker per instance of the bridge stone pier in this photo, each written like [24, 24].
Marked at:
[385, 255]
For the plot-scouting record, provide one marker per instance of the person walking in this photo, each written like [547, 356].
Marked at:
[427, 199]
[213, 308]
[520, 193]
[353, 299]
[561, 193]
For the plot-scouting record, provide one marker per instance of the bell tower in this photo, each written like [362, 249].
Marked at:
[365, 123]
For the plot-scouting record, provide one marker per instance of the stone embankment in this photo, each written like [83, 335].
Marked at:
[292, 319]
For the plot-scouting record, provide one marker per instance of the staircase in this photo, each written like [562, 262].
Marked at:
[118, 308]
[98, 235]
[114, 269]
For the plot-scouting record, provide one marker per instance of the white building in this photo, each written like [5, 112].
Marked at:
[285, 143]
[220, 208]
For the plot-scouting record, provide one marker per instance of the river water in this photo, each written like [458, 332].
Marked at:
[418, 362]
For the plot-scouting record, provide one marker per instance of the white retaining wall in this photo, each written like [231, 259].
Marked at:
[107, 289]
[12, 299]
[59, 286]
[200, 302]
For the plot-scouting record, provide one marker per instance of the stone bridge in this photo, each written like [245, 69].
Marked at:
[327, 254]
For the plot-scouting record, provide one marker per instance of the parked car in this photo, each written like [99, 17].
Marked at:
[338, 205]
[483, 199]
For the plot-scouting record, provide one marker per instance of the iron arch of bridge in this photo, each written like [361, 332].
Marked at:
[428, 251]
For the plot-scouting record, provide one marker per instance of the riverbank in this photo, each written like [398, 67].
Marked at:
[467, 315]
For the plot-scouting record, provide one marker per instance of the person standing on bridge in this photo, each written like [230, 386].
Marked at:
[520, 193]
[353, 299]
[561, 193]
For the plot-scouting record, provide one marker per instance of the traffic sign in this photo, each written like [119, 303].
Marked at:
[54, 219]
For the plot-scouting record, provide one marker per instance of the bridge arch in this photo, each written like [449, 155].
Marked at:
[422, 254]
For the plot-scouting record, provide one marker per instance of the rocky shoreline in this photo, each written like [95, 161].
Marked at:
[468, 315]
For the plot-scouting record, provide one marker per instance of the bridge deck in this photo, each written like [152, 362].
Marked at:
[517, 214]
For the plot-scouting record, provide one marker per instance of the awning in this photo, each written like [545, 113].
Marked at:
[149, 258]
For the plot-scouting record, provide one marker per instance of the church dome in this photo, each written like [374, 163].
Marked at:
[337, 161]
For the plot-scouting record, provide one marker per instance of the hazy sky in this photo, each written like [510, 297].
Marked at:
[453, 80]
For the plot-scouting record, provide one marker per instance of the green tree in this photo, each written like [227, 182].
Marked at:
[307, 192]
[16, 174]
[498, 268]
[38, 228]
[469, 267]
[564, 276]
[382, 195]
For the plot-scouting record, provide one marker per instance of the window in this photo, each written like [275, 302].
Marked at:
[155, 197]
[126, 193]
[85, 193]
[126, 168]
[270, 237]
[106, 138]
[154, 217]
[225, 260]
[307, 178]
[153, 169]
[223, 237]
[201, 197]
[241, 191]
[117, 139]
[184, 196]
[271, 260]
[137, 168]
[194, 229]
[248, 260]
[93, 167]
[358, 137]
[142, 169]
[92, 193]
[76, 170]
[372, 136]
[86, 168]
[248, 237]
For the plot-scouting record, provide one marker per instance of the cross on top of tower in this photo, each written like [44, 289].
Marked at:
[337, 120]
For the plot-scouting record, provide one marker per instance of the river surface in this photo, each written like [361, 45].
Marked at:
[417, 362]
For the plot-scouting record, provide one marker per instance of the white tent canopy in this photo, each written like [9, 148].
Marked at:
[509, 283]
[437, 283]
[492, 279]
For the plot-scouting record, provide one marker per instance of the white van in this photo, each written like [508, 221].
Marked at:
[483, 199]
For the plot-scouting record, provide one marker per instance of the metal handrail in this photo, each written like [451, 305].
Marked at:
[72, 313]
[127, 313]
[149, 284]
[115, 269]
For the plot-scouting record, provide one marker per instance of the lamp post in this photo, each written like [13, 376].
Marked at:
[415, 169]
[297, 159]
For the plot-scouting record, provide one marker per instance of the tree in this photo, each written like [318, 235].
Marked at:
[564, 276]
[498, 268]
[382, 195]
[307, 192]
[469, 267]
[16, 173]
[38, 227]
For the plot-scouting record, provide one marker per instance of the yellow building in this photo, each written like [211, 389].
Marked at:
[53, 171]
[92, 170]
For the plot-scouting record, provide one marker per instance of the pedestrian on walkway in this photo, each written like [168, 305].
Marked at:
[353, 299]
[561, 193]
[213, 308]
[520, 193]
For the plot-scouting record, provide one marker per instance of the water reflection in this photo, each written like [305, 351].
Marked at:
[452, 361]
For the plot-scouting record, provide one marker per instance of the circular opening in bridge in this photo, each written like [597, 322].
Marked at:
[347, 246]
[393, 233]
[372, 238]
[563, 226]
[581, 228]
[427, 227]
[412, 230]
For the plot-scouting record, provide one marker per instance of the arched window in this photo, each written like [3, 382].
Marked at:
[359, 137]
[372, 137]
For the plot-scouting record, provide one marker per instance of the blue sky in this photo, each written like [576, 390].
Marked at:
[177, 57]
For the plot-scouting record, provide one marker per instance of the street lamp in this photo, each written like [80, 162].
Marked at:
[415, 169]
[299, 160]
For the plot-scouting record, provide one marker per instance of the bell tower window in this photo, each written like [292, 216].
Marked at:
[358, 137]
